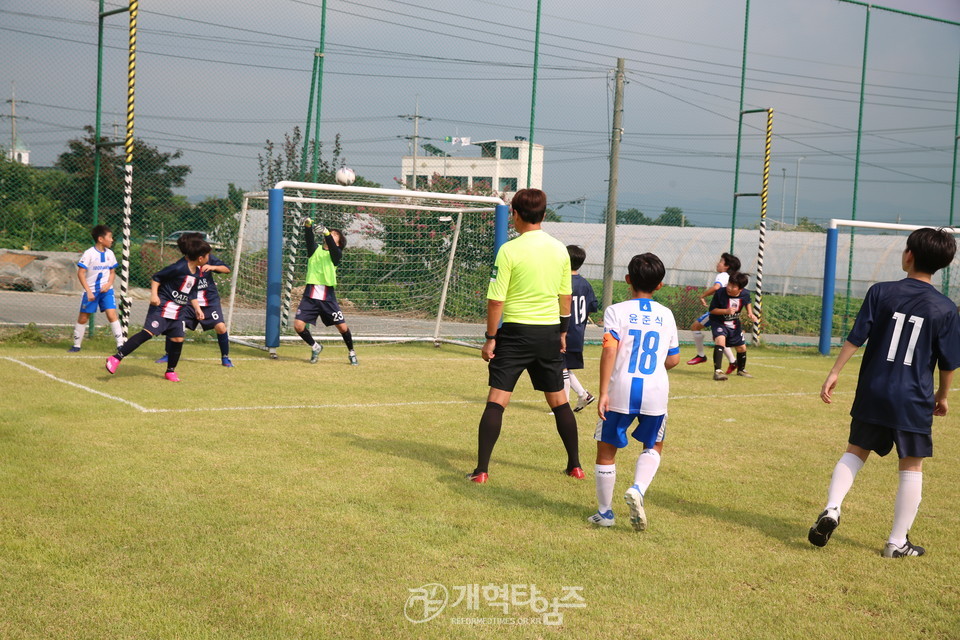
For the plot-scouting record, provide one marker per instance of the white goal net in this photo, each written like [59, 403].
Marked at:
[415, 267]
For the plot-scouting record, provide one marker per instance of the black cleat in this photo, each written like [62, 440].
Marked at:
[823, 528]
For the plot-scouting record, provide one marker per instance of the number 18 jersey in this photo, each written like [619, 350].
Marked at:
[647, 334]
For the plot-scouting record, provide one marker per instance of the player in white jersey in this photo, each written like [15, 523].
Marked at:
[640, 343]
[96, 270]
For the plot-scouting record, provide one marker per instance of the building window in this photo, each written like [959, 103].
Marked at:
[508, 184]
[509, 153]
[484, 182]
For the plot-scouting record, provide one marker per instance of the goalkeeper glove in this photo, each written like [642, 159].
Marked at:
[307, 222]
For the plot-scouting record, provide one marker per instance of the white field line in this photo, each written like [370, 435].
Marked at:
[357, 405]
[78, 386]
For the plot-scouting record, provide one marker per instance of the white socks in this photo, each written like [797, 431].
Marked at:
[117, 332]
[906, 507]
[842, 479]
[78, 331]
[606, 475]
[731, 356]
[566, 384]
[576, 386]
[698, 341]
[647, 465]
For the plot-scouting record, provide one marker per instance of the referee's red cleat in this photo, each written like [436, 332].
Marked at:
[479, 478]
[577, 473]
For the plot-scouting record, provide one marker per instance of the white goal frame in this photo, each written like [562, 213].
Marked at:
[830, 268]
[279, 276]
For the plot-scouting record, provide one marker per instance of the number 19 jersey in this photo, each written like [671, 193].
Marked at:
[647, 334]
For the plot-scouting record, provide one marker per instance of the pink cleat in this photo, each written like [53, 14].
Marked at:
[112, 363]
[172, 376]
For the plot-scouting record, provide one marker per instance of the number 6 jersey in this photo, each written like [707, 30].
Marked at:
[912, 328]
[647, 334]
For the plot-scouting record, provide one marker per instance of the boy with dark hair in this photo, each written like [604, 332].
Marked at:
[910, 328]
[727, 264]
[209, 298]
[172, 289]
[725, 308]
[640, 343]
[96, 271]
[530, 290]
[583, 302]
[319, 296]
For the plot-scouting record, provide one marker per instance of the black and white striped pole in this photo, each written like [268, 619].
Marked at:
[758, 302]
[125, 302]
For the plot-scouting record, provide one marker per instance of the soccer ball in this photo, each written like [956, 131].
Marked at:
[345, 176]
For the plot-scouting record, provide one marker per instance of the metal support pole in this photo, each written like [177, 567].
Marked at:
[763, 225]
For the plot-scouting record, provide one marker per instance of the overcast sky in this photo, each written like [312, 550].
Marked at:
[217, 78]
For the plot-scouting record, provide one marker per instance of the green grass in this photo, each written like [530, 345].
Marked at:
[284, 500]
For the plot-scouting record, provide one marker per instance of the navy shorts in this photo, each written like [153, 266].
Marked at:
[104, 300]
[573, 360]
[328, 311]
[157, 325]
[650, 429]
[531, 348]
[212, 316]
[881, 439]
[733, 334]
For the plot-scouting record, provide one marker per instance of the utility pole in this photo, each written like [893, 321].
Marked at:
[783, 194]
[416, 117]
[615, 136]
[13, 121]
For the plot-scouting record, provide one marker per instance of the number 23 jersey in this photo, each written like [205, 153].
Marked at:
[912, 328]
[647, 334]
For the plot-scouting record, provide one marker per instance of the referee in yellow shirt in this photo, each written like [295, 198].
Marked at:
[530, 290]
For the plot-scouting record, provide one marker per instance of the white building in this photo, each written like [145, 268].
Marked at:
[19, 153]
[501, 166]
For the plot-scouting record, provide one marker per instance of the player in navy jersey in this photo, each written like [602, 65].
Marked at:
[727, 264]
[640, 344]
[172, 290]
[209, 298]
[910, 329]
[583, 302]
[725, 308]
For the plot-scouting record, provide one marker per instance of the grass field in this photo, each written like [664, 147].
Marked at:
[284, 500]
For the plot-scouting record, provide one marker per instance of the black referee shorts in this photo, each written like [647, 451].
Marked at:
[534, 348]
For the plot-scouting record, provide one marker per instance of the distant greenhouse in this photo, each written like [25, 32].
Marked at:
[793, 261]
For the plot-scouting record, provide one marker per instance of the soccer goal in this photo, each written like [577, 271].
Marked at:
[858, 261]
[415, 267]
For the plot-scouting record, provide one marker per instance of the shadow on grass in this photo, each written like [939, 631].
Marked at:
[454, 465]
[791, 532]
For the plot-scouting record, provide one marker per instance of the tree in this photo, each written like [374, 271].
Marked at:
[551, 216]
[154, 178]
[632, 216]
[30, 217]
[672, 217]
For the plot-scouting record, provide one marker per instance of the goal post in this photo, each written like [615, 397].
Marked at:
[883, 264]
[414, 269]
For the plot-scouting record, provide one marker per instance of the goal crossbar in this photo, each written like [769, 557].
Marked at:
[830, 268]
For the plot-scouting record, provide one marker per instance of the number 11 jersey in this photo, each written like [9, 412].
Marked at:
[647, 334]
[912, 328]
